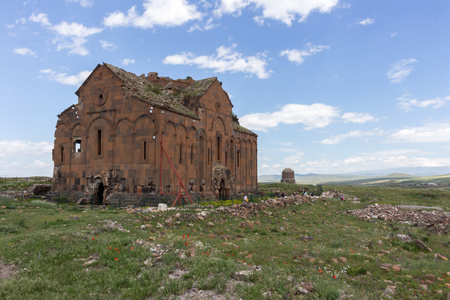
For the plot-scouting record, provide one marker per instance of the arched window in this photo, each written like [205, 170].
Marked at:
[145, 150]
[219, 146]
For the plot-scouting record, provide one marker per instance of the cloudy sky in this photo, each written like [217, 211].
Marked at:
[329, 86]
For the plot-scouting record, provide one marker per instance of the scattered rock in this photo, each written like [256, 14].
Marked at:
[342, 259]
[243, 275]
[430, 277]
[7, 271]
[437, 220]
[162, 207]
[386, 267]
[396, 268]
[90, 260]
[308, 287]
[169, 222]
[334, 260]
[389, 291]
[404, 238]
[422, 245]
[301, 290]
[113, 225]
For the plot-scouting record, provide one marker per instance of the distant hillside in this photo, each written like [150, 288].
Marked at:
[392, 179]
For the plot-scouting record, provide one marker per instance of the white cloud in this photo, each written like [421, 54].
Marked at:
[24, 52]
[344, 5]
[63, 78]
[405, 102]
[294, 158]
[69, 35]
[366, 22]
[156, 13]
[37, 164]
[75, 30]
[19, 147]
[84, 3]
[317, 115]
[107, 46]
[298, 56]
[400, 70]
[359, 118]
[352, 134]
[73, 36]
[286, 11]
[127, 61]
[393, 34]
[203, 27]
[226, 60]
[430, 133]
[40, 18]
[395, 158]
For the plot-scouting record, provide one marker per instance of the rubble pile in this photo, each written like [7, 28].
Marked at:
[246, 209]
[434, 220]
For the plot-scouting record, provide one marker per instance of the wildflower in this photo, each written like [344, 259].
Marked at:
[109, 248]
[93, 238]
[131, 248]
[334, 276]
[116, 259]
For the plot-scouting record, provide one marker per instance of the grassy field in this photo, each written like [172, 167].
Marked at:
[74, 252]
[19, 183]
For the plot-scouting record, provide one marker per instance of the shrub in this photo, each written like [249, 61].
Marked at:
[352, 271]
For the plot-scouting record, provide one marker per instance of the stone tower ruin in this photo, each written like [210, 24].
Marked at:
[287, 176]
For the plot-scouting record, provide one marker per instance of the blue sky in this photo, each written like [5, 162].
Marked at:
[329, 86]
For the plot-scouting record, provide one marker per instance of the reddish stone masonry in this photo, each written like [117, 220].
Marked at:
[109, 143]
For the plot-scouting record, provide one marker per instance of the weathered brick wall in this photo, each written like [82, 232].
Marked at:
[110, 142]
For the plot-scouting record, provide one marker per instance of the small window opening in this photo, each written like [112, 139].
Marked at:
[226, 158]
[145, 150]
[99, 142]
[218, 147]
[62, 154]
[77, 146]
[181, 154]
[192, 155]
[100, 96]
[238, 157]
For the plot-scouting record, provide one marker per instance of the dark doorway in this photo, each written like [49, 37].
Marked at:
[223, 191]
[99, 194]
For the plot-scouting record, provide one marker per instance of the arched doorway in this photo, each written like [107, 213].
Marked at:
[99, 193]
[223, 191]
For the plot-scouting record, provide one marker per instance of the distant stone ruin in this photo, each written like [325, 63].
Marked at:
[287, 176]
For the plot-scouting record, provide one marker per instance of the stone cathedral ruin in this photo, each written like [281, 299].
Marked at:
[147, 136]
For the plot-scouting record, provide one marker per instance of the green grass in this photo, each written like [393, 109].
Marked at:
[68, 252]
[20, 183]
[397, 195]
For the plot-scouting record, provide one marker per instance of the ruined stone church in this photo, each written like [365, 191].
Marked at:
[143, 136]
